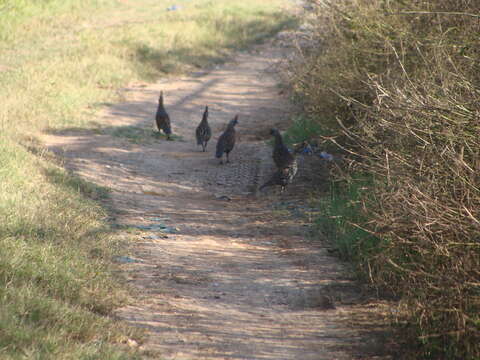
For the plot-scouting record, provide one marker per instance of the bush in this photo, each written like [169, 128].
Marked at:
[398, 83]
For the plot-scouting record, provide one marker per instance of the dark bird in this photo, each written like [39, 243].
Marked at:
[226, 141]
[203, 132]
[162, 118]
[287, 165]
[281, 155]
[282, 177]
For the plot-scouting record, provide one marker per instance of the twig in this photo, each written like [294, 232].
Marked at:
[435, 13]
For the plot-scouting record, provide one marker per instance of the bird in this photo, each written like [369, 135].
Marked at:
[226, 141]
[281, 155]
[286, 162]
[162, 119]
[203, 132]
[282, 177]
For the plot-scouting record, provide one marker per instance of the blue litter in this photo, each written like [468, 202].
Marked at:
[174, 8]
[126, 260]
[307, 150]
[326, 156]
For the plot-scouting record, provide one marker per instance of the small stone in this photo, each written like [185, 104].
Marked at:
[223, 197]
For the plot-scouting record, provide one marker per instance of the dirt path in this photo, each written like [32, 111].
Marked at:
[237, 280]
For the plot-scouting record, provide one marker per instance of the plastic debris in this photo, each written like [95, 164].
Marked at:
[307, 150]
[157, 227]
[126, 259]
[326, 156]
[174, 8]
[158, 218]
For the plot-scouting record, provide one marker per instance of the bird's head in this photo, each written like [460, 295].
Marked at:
[234, 121]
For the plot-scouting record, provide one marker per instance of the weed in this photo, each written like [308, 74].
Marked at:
[342, 219]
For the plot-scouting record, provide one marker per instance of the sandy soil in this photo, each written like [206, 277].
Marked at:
[238, 279]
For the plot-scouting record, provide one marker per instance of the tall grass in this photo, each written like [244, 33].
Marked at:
[344, 223]
[397, 84]
[61, 60]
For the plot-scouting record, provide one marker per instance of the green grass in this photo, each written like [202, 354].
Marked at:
[302, 128]
[135, 134]
[139, 135]
[61, 61]
[340, 210]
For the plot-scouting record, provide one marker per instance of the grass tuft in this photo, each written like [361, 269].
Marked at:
[343, 222]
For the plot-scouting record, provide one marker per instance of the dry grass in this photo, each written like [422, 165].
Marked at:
[398, 84]
[61, 61]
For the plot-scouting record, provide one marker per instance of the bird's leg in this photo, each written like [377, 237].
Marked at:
[228, 160]
[204, 147]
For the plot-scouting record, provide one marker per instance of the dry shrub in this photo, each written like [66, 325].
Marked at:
[399, 84]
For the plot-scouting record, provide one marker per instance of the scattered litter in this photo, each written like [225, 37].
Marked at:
[267, 243]
[307, 150]
[174, 8]
[126, 259]
[157, 227]
[158, 218]
[326, 156]
[132, 343]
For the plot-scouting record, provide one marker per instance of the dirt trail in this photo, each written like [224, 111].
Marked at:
[236, 281]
